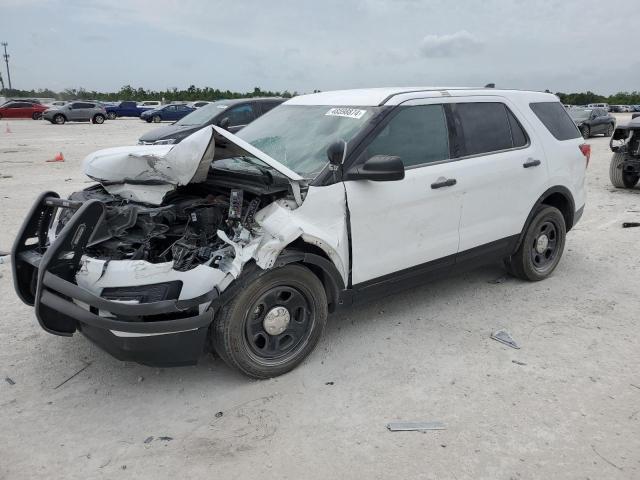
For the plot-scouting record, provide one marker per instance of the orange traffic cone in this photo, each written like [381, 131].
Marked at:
[58, 158]
[8, 130]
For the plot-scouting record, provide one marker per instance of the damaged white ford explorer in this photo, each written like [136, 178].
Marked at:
[242, 244]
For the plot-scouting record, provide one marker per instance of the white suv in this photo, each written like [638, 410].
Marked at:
[245, 243]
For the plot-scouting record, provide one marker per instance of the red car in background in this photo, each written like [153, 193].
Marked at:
[18, 109]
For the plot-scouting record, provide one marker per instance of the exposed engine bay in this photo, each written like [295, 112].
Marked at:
[183, 230]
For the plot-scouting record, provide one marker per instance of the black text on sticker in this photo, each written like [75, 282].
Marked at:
[346, 112]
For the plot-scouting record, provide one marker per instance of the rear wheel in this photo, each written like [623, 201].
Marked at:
[59, 119]
[610, 129]
[585, 131]
[619, 178]
[272, 324]
[99, 119]
[541, 248]
[111, 115]
[36, 115]
[157, 119]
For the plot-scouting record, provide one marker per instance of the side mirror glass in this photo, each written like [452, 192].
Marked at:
[379, 168]
[336, 152]
[225, 123]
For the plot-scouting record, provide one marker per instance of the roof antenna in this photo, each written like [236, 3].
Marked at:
[490, 85]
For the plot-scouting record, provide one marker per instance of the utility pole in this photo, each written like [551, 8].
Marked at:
[6, 60]
[1, 83]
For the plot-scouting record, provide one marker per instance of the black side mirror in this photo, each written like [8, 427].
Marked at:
[336, 152]
[225, 123]
[379, 168]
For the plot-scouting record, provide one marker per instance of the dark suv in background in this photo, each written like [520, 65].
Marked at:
[229, 114]
[593, 121]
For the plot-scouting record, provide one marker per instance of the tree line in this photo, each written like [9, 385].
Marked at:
[584, 98]
[139, 94]
[208, 93]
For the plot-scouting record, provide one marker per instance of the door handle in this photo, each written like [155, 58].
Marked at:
[531, 163]
[444, 183]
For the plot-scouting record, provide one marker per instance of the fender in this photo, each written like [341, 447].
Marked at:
[569, 217]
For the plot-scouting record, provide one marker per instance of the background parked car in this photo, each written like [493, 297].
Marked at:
[593, 121]
[150, 103]
[198, 104]
[125, 109]
[81, 111]
[166, 113]
[235, 114]
[600, 105]
[22, 109]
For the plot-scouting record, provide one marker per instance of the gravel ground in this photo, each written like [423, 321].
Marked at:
[570, 409]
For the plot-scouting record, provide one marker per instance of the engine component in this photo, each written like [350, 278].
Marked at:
[235, 205]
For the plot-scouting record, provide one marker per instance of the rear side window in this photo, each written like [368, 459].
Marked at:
[554, 116]
[418, 135]
[481, 128]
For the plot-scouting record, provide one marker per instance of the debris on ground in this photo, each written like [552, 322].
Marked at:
[219, 414]
[501, 279]
[415, 426]
[148, 440]
[140, 379]
[9, 381]
[58, 158]
[5, 259]
[72, 376]
[630, 224]
[517, 362]
[328, 383]
[503, 336]
[165, 439]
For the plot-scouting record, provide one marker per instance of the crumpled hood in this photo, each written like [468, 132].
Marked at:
[167, 131]
[168, 166]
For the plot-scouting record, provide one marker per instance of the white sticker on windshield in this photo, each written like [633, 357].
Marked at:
[346, 112]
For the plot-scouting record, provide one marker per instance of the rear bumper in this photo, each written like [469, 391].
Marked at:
[163, 332]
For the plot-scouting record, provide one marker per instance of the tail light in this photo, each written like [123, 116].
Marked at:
[585, 148]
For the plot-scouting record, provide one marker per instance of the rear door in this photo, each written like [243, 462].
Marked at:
[505, 172]
[410, 226]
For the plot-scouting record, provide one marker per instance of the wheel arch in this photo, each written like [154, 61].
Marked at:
[557, 196]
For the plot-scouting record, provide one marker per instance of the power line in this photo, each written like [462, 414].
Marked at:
[6, 61]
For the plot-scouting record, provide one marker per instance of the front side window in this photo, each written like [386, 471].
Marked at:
[417, 134]
[241, 115]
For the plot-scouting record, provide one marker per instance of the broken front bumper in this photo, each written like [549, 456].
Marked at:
[162, 332]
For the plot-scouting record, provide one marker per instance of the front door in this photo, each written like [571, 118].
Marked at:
[410, 225]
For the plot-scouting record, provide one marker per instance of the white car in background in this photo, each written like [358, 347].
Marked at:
[198, 104]
[150, 103]
[246, 242]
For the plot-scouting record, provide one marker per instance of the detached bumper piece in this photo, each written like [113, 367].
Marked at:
[161, 332]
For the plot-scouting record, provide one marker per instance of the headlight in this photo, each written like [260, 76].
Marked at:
[166, 141]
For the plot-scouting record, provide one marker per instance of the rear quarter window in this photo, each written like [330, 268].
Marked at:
[556, 119]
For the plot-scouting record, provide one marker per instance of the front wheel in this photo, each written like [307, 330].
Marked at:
[585, 131]
[541, 248]
[111, 115]
[59, 119]
[619, 178]
[99, 119]
[157, 119]
[273, 323]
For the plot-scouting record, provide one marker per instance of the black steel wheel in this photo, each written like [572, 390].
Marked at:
[541, 248]
[273, 323]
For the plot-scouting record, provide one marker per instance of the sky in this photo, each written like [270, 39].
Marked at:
[303, 45]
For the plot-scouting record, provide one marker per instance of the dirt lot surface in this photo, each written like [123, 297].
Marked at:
[570, 409]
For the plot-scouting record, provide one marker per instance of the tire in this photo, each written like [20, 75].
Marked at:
[0, 116]
[240, 335]
[585, 131]
[36, 115]
[618, 177]
[148, 120]
[610, 130]
[157, 119]
[112, 115]
[537, 257]
[59, 119]
[98, 118]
